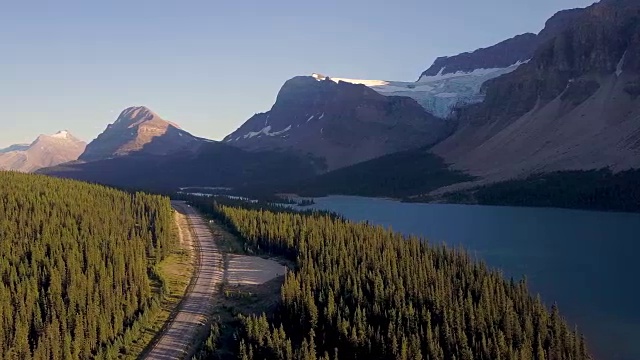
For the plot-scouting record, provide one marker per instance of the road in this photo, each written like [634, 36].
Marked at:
[178, 340]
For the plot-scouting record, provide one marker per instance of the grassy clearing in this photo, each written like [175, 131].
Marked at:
[176, 272]
[227, 242]
[235, 300]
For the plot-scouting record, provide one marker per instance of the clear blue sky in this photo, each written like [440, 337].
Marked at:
[210, 65]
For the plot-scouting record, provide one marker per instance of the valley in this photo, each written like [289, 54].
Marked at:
[486, 208]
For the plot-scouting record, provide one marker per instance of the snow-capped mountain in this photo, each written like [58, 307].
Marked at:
[574, 106]
[45, 151]
[454, 81]
[338, 123]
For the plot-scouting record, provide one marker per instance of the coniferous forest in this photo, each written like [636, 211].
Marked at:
[76, 262]
[364, 292]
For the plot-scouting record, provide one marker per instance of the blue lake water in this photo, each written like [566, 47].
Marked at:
[585, 261]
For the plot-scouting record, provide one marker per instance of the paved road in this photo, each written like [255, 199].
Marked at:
[178, 339]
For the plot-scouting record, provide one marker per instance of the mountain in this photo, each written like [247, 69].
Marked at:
[574, 106]
[338, 123]
[454, 81]
[563, 129]
[46, 150]
[139, 129]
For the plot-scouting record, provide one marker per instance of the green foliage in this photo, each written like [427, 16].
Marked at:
[397, 175]
[364, 292]
[596, 190]
[75, 260]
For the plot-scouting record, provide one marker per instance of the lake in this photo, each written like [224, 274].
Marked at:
[583, 260]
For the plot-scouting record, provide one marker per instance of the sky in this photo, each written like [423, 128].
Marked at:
[210, 65]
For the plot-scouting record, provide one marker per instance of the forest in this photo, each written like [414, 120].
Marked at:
[398, 175]
[593, 190]
[77, 265]
[364, 292]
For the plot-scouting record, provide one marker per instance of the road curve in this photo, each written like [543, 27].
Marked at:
[178, 340]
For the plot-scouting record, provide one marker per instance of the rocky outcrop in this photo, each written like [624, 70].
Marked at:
[338, 123]
[139, 129]
[504, 54]
[569, 108]
[45, 151]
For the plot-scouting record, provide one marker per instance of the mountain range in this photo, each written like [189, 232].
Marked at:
[141, 150]
[45, 151]
[564, 100]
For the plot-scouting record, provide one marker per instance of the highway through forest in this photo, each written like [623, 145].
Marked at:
[178, 341]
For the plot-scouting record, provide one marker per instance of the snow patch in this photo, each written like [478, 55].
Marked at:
[476, 72]
[61, 134]
[321, 116]
[280, 132]
[446, 95]
[621, 64]
[311, 118]
[266, 131]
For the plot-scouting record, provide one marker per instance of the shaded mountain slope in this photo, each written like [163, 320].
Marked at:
[213, 164]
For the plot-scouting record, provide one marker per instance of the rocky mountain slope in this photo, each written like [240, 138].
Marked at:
[46, 150]
[338, 123]
[574, 106]
[139, 129]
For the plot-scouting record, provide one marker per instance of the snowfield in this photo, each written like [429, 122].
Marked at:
[438, 94]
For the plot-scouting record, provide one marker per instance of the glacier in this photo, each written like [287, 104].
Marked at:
[438, 94]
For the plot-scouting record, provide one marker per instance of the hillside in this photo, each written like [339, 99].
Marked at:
[574, 106]
[213, 164]
[77, 266]
[398, 175]
[45, 151]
